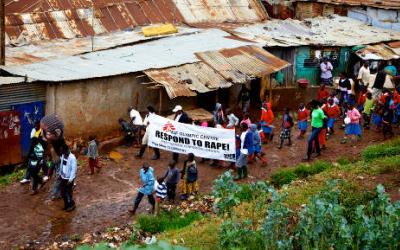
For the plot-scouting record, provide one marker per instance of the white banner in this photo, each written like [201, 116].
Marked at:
[210, 143]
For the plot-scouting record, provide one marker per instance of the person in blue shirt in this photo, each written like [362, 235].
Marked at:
[147, 179]
[390, 69]
[68, 169]
[246, 146]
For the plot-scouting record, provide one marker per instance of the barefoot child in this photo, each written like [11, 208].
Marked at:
[302, 115]
[287, 124]
[93, 155]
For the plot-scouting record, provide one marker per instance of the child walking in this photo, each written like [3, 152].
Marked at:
[171, 179]
[332, 111]
[353, 128]
[302, 115]
[161, 192]
[93, 155]
[266, 120]
[189, 175]
[287, 124]
[367, 111]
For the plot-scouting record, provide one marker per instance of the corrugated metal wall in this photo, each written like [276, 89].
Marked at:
[13, 94]
[307, 67]
[10, 149]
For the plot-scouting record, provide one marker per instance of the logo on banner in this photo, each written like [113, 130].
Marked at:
[168, 127]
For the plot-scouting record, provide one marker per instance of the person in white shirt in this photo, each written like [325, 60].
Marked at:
[136, 118]
[156, 156]
[326, 72]
[233, 121]
[68, 170]
[364, 74]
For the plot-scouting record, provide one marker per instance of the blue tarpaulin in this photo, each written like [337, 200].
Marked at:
[29, 113]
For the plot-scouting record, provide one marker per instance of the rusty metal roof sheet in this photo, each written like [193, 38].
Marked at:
[384, 4]
[377, 52]
[38, 19]
[326, 31]
[188, 79]
[217, 11]
[239, 64]
[162, 53]
[45, 50]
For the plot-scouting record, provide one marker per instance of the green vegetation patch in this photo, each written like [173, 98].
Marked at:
[165, 220]
[301, 171]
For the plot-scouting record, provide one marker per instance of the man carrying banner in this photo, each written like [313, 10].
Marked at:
[156, 156]
[182, 117]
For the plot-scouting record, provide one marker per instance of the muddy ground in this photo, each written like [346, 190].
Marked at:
[103, 199]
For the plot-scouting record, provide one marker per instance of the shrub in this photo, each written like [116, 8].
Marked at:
[165, 221]
[381, 150]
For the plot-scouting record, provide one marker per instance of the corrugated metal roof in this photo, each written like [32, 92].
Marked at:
[38, 19]
[327, 31]
[377, 52]
[218, 11]
[54, 49]
[188, 79]
[384, 4]
[162, 53]
[238, 64]
[11, 80]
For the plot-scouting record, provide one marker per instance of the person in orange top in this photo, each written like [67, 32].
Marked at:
[302, 115]
[332, 112]
[266, 120]
[323, 93]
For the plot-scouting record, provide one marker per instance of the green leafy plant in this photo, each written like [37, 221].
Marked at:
[377, 225]
[276, 225]
[237, 234]
[225, 190]
[166, 220]
[322, 224]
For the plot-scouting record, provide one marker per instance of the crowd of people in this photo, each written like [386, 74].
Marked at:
[357, 103]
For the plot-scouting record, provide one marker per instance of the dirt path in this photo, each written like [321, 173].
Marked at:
[103, 200]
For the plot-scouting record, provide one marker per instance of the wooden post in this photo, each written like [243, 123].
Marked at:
[92, 38]
[160, 100]
[270, 89]
[2, 35]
